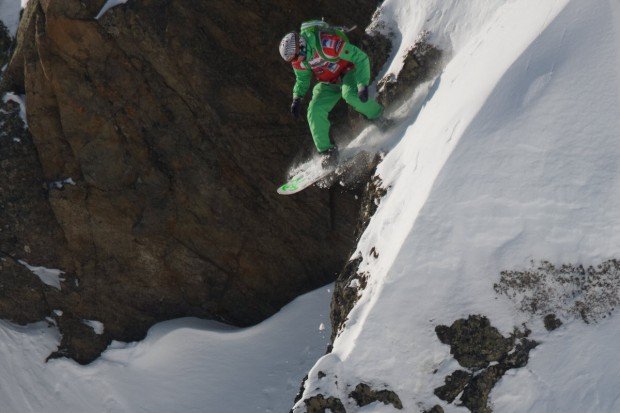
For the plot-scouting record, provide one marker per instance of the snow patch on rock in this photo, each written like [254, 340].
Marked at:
[47, 276]
[97, 326]
[108, 5]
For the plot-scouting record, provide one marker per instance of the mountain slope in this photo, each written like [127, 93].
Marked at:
[513, 157]
[509, 157]
[182, 365]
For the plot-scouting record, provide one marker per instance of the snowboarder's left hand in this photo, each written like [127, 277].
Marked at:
[296, 107]
[362, 92]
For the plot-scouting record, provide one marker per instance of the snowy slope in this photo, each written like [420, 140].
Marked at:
[514, 156]
[185, 365]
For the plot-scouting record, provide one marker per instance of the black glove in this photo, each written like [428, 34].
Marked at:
[362, 92]
[296, 107]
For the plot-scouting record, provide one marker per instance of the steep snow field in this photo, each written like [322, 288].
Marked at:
[513, 157]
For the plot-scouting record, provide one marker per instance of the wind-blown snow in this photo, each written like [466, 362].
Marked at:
[514, 156]
[185, 365]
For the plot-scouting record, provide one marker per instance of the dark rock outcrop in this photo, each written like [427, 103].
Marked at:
[552, 322]
[474, 342]
[480, 347]
[365, 395]
[171, 117]
[455, 384]
[28, 232]
[320, 404]
[422, 63]
[351, 282]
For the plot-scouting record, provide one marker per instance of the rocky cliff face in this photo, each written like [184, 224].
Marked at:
[171, 119]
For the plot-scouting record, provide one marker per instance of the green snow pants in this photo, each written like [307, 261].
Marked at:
[324, 98]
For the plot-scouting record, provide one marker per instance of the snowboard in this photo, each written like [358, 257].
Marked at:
[312, 172]
[352, 158]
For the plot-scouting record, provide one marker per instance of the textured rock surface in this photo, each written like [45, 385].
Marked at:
[474, 342]
[480, 347]
[320, 404]
[26, 223]
[365, 395]
[454, 385]
[422, 63]
[171, 117]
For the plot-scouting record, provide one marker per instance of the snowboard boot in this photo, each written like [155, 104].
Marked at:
[329, 158]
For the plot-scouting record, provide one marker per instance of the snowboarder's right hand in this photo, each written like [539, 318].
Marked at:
[296, 107]
[362, 93]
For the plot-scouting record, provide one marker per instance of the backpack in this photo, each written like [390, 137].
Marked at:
[313, 27]
[311, 30]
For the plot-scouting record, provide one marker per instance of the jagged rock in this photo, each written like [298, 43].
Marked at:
[345, 296]
[422, 62]
[552, 322]
[476, 394]
[365, 395]
[520, 355]
[455, 383]
[171, 117]
[350, 282]
[17, 283]
[26, 224]
[435, 409]
[474, 343]
[319, 404]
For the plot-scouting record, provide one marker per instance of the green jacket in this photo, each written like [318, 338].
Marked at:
[335, 51]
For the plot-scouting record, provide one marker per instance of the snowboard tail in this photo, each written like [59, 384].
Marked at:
[353, 162]
[304, 179]
[349, 167]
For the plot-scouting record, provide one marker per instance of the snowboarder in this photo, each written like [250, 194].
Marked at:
[342, 71]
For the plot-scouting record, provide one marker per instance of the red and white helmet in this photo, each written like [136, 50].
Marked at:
[290, 46]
